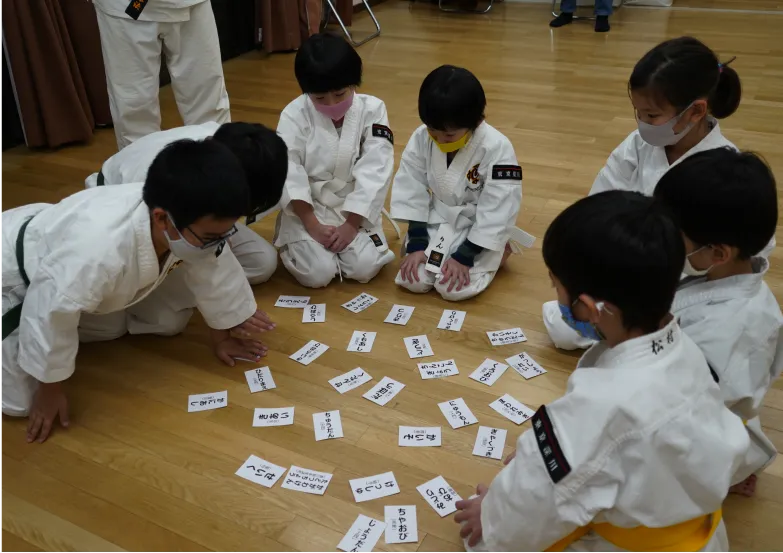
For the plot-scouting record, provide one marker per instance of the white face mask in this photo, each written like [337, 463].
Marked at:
[690, 270]
[186, 251]
[663, 135]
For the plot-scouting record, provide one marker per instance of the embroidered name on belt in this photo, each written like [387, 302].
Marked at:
[135, 8]
[382, 131]
[506, 172]
[556, 464]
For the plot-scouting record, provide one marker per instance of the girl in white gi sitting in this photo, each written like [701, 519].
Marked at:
[638, 453]
[341, 157]
[726, 204]
[459, 188]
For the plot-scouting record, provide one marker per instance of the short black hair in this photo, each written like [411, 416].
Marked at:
[451, 98]
[194, 179]
[264, 156]
[326, 62]
[682, 70]
[620, 247]
[723, 196]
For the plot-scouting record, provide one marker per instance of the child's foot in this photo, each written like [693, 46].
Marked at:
[602, 24]
[747, 487]
[506, 254]
[562, 19]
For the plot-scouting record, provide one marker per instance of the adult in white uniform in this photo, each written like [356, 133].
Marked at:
[134, 35]
[726, 205]
[459, 188]
[638, 453]
[341, 157]
[110, 260]
[264, 157]
[678, 90]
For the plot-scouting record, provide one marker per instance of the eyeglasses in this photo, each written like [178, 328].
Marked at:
[206, 244]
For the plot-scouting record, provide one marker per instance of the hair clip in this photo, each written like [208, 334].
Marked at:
[724, 64]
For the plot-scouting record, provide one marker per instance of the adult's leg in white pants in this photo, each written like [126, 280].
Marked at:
[478, 283]
[257, 256]
[131, 54]
[167, 310]
[309, 262]
[193, 60]
[361, 260]
[422, 286]
[101, 328]
[562, 335]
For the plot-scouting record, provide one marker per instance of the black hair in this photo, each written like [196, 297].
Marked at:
[451, 98]
[620, 247]
[682, 70]
[326, 62]
[264, 156]
[191, 180]
[723, 196]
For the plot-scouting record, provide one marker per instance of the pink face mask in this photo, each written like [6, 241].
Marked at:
[335, 112]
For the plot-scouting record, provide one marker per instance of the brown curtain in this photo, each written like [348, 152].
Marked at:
[283, 25]
[54, 53]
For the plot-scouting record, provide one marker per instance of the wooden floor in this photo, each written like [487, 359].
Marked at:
[136, 471]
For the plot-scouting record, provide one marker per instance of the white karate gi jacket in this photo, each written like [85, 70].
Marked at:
[477, 197]
[641, 438]
[93, 253]
[737, 323]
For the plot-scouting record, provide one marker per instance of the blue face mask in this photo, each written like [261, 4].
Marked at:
[585, 329]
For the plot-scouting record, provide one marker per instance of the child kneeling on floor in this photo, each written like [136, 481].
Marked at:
[638, 454]
[459, 188]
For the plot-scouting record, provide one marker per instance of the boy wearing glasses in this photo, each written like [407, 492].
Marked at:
[123, 259]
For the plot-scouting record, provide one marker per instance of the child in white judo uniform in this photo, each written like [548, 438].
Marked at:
[726, 205]
[638, 453]
[459, 188]
[115, 259]
[264, 157]
[341, 157]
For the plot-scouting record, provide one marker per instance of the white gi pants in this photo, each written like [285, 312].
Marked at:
[132, 57]
[427, 281]
[314, 266]
[257, 256]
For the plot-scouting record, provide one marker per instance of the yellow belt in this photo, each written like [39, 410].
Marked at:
[691, 535]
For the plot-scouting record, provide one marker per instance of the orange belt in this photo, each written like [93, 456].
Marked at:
[691, 535]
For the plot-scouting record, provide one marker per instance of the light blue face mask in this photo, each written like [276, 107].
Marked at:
[585, 329]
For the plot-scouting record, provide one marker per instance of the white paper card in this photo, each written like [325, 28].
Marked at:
[306, 480]
[401, 524]
[361, 341]
[260, 379]
[508, 336]
[488, 372]
[419, 436]
[525, 365]
[293, 302]
[311, 351]
[373, 487]
[490, 442]
[418, 346]
[259, 471]
[205, 402]
[452, 320]
[314, 313]
[438, 369]
[513, 410]
[363, 535]
[350, 380]
[276, 416]
[399, 314]
[384, 391]
[327, 425]
[457, 413]
[360, 303]
[440, 495]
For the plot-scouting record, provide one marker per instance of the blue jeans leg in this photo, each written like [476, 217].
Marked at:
[568, 6]
[602, 7]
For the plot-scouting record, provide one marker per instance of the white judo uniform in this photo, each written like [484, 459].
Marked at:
[337, 171]
[640, 439]
[184, 31]
[257, 256]
[737, 323]
[94, 275]
[477, 197]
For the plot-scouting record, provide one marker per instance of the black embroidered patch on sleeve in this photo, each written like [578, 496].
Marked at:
[135, 8]
[383, 131]
[554, 459]
[506, 172]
